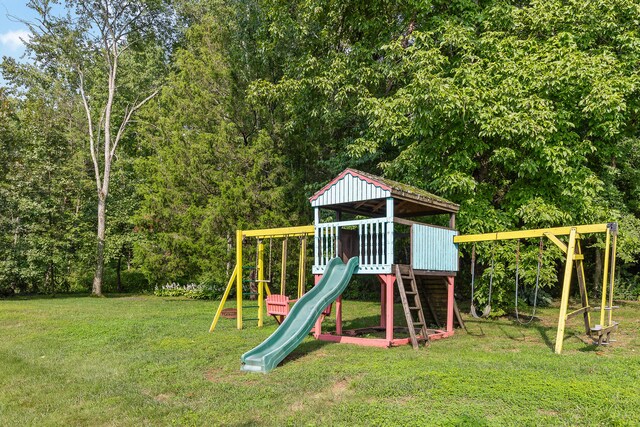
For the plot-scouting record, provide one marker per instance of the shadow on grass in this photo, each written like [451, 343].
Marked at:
[543, 331]
[591, 347]
[303, 350]
[474, 322]
[70, 295]
[361, 322]
[33, 297]
[520, 336]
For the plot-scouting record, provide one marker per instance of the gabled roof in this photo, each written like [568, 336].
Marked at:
[359, 192]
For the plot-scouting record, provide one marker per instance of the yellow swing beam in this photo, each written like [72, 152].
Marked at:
[237, 276]
[574, 254]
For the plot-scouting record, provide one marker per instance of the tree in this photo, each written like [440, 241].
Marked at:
[210, 169]
[113, 55]
[45, 220]
[524, 113]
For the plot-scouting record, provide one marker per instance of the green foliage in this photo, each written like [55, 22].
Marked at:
[44, 218]
[525, 114]
[209, 169]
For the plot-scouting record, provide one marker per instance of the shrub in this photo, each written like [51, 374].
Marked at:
[189, 290]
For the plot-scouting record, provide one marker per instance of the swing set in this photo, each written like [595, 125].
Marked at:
[601, 332]
[487, 309]
[256, 283]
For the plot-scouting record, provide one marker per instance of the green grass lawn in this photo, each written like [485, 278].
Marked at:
[142, 360]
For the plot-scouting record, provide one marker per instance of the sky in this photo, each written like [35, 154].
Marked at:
[11, 29]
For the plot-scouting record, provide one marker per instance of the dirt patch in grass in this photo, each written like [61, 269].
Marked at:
[339, 387]
[331, 395]
[164, 398]
[222, 376]
[548, 412]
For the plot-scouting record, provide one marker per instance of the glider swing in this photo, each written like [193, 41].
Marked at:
[278, 305]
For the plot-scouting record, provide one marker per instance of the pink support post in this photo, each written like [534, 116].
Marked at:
[383, 302]
[317, 331]
[389, 280]
[450, 304]
[339, 315]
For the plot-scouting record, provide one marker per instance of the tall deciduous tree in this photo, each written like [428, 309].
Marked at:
[112, 53]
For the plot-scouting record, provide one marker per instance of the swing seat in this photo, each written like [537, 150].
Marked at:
[485, 312]
[278, 305]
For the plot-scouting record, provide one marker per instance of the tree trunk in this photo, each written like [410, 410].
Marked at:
[119, 282]
[98, 278]
[597, 272]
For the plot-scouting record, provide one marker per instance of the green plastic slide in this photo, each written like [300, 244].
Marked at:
[301, 318]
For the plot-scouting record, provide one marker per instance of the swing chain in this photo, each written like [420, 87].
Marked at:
[537, 286]
[493, 253]
[473, 271]
[270, 245]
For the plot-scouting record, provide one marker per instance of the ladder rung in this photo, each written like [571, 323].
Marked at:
[418, 324]
[414, 308]
[410, 292]
[405, 277]
[607, 307]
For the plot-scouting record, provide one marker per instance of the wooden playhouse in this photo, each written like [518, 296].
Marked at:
[375, 219]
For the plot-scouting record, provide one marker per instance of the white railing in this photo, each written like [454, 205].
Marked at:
[373, 250]
[326, 243]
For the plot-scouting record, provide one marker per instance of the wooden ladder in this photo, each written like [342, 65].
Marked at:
[411, 303]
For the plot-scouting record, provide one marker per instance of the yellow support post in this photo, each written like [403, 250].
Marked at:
[224, 299]
[260, 283]
[283, 270]
[613, 274]
[566, 284]
[302, 266]
[605, 273]
[579, 257]
[239, 277]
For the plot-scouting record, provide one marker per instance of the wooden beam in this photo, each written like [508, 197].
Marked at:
[579, 311]
[434, 273]
[279, 232]
[399, 207]
[527, 234]
[566, 285]
[408, 222]
[557, 242]
[582, 286]
[377, 207]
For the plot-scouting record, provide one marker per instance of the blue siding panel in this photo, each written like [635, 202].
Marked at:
[433, 248]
